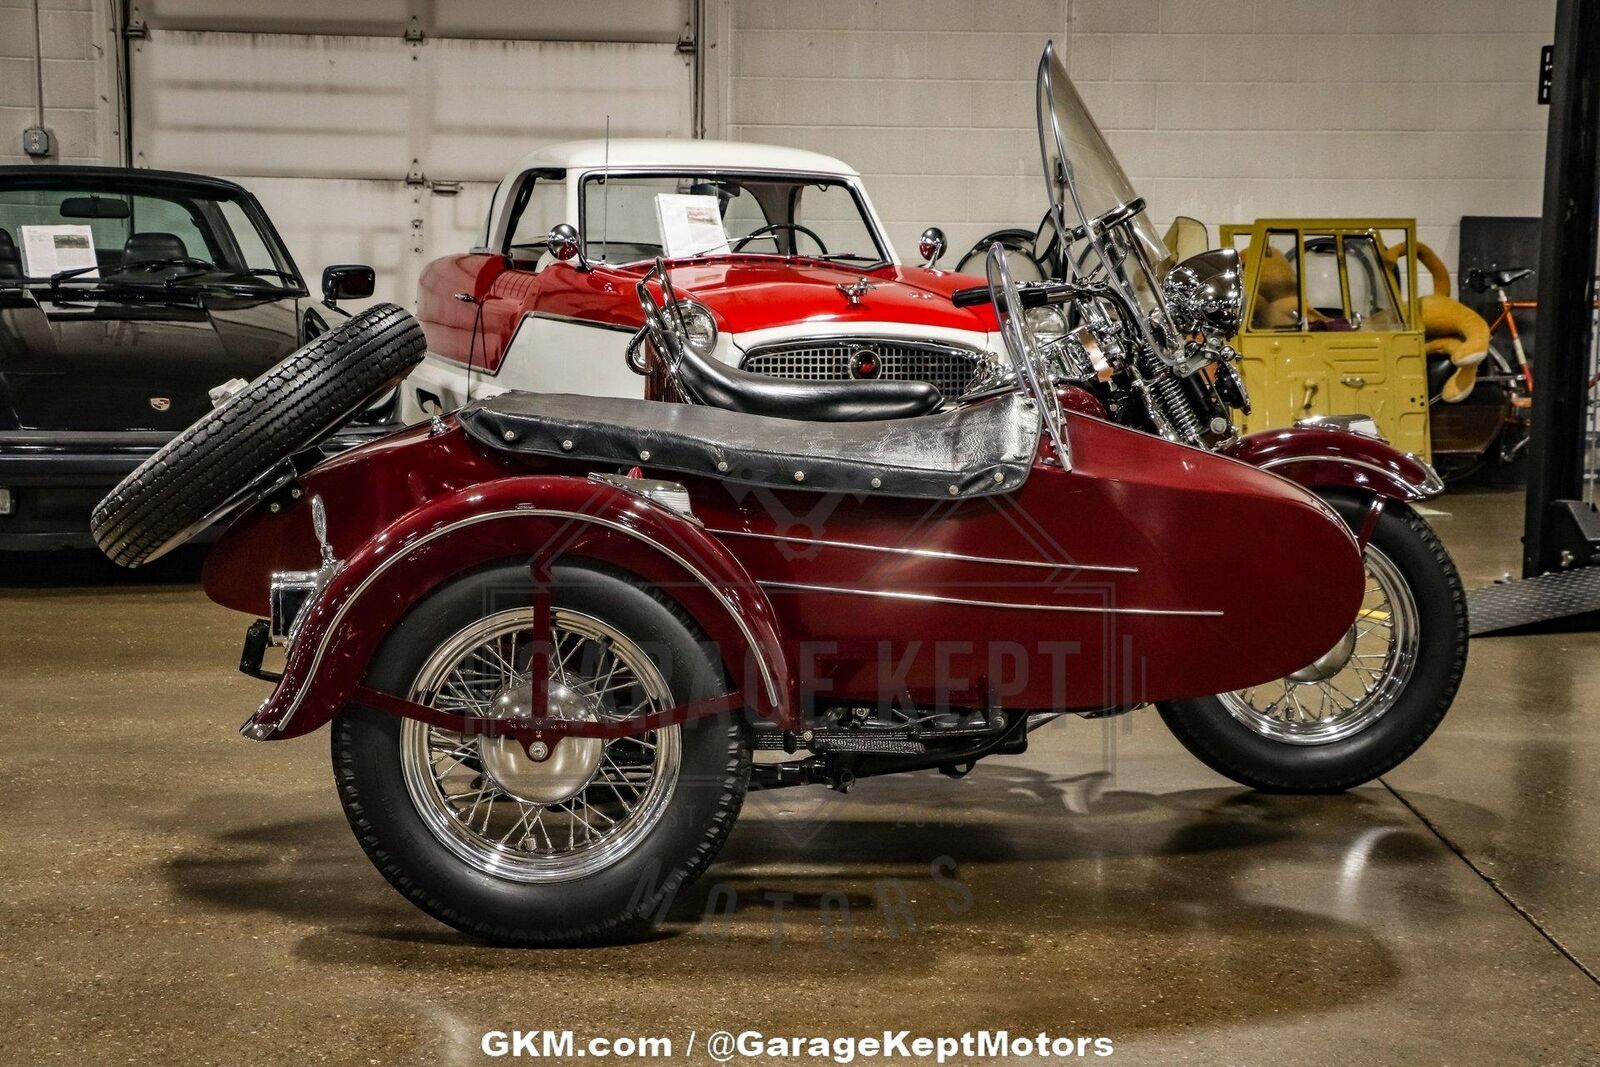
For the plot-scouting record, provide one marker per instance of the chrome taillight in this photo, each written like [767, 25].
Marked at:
[290, 593]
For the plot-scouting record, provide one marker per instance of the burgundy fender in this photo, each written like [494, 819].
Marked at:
[1319, 458]
[538, 519]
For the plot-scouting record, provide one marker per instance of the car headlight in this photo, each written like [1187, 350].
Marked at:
[1047, 324]
[700, 329]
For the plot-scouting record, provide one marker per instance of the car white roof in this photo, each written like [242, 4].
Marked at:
[675, 153]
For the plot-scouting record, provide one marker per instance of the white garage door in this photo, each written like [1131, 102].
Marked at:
[376, 134]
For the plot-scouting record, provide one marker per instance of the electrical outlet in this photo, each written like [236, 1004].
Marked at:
[36, 141]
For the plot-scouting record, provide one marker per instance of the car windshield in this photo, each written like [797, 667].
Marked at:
[149, 232]
[635, 217]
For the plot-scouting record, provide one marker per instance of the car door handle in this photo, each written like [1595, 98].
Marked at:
[1354, 381]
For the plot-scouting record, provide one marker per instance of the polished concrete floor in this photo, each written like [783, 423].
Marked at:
[173, 894]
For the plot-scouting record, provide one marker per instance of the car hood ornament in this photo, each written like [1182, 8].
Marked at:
[856, 290]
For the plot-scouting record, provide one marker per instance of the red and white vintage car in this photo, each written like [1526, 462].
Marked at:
[782, 262]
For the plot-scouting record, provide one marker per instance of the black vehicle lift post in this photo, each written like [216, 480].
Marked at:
[1561, 532]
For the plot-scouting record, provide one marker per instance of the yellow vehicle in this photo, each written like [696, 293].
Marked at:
[1329, 328]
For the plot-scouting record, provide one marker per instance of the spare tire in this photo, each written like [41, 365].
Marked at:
[211, 468]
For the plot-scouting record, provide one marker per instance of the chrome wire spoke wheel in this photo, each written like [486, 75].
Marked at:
[589, 802]
[1354, 683]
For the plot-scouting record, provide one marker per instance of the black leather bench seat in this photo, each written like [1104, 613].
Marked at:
[976, 449]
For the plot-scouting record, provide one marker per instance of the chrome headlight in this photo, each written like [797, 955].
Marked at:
[1047, 324]
[1205, 293]
[700, 328]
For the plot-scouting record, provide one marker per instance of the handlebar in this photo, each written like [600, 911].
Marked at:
[1031, 295]
[971, 296]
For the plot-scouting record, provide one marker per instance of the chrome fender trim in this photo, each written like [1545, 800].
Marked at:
[1433, 486]
[768, 678]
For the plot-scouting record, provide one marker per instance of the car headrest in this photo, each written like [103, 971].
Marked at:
[10, 260]
[142, 247]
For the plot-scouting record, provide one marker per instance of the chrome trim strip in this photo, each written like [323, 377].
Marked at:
[941, 348]
[1433, 485]
[573, 320]
[929, 553]
[1417, 492]
[643, 488]
[930, 598]
[333, 625]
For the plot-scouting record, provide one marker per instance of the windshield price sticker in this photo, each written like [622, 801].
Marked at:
[691, 225]
[50, 249]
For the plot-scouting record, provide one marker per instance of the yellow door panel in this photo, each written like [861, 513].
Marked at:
[1408, 389]
[1363, 356]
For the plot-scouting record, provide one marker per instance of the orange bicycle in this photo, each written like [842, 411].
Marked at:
[1481, 281]
[1510, 378]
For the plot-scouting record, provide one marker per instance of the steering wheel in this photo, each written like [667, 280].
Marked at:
[150, 266]
[771, 231]
[1020, 348]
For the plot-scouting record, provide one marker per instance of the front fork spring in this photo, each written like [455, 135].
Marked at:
[1177, 407]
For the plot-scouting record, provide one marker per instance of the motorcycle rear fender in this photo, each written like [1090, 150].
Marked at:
[1325, 458]
[537, 520]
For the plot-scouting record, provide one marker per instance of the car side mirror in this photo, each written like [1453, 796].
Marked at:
[930, 246]
[347, 281]
[563, 244]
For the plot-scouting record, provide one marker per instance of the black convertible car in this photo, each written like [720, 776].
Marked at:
[127, 297]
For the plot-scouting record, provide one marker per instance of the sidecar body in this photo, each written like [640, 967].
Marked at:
[948, 560]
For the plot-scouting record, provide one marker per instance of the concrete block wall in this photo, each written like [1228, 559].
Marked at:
[932, 100]
[1227, 110]
[1222, 109]
[81, 101]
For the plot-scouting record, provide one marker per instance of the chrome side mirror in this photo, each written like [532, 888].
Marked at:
[930, 246]
[1205, 293]
[563, 244]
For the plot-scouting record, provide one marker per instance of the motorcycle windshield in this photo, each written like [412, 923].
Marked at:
[1089, 191]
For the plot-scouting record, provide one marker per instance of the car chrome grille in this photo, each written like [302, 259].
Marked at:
[954, 370]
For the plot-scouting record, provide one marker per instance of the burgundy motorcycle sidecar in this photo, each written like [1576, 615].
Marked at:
[893, 559]
[550, 631]
[871, 596]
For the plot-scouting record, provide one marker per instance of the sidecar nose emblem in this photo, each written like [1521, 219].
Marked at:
[865, 364]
